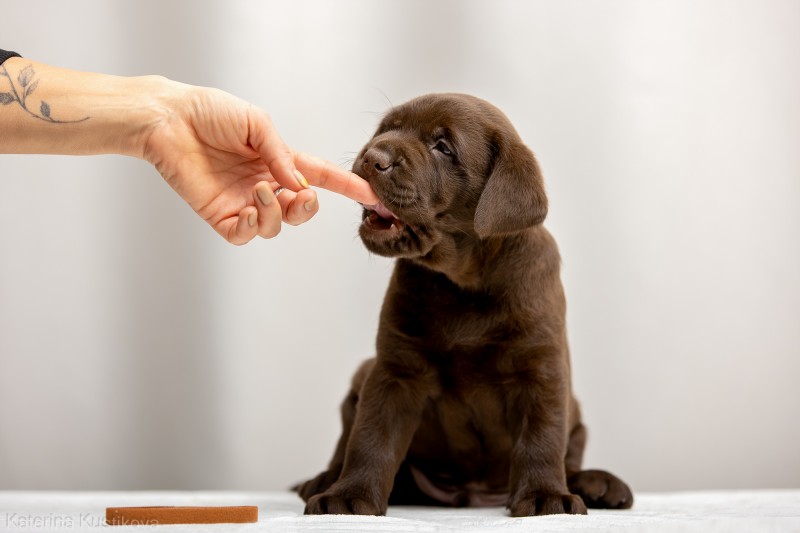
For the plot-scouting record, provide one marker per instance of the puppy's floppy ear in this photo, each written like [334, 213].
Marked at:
[513, 198]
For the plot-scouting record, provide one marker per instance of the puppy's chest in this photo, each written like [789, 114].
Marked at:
[445, 321]
[465, 337]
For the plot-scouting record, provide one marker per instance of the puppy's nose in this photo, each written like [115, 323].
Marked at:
[377, 161]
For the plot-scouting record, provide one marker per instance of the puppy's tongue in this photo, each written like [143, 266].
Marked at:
[382, 210]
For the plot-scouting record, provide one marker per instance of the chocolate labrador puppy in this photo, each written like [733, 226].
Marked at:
[469, 400]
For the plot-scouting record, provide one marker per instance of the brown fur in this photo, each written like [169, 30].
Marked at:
[468, 401]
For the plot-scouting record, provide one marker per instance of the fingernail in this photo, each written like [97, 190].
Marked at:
[264, 196]
[252, 218]
[300, 179]
[311, 204]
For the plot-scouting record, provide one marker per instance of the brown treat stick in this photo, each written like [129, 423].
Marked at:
[152, 516]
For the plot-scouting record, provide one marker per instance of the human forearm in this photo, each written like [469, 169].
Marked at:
[50, 110]
[221, 154]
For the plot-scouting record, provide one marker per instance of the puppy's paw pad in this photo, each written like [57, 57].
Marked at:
[544, 504]
[327, 503]
[601, 490]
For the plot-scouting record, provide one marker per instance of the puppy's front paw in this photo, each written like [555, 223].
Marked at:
[601, 490]
[331, 502]
[542, 504]
[317, 485]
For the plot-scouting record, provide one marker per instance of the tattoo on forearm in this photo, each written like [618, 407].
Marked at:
[26, 79]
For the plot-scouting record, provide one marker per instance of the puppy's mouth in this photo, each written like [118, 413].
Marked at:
[380, 218]
[385, 233]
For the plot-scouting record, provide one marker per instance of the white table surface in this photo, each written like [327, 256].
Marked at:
[759, 511]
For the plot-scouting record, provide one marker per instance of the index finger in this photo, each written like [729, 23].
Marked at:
[264, 138]
[328, 176]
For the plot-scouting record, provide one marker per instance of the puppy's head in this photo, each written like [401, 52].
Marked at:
[449, 170]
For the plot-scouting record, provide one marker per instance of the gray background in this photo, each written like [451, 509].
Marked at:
[140, 351]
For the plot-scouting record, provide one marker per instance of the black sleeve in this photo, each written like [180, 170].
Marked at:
[6, 55]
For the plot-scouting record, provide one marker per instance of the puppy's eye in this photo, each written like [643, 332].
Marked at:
[442, 147]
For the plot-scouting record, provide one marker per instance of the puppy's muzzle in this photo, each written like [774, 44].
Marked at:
[377, 162]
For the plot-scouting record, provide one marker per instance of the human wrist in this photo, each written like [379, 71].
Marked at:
[154, 100]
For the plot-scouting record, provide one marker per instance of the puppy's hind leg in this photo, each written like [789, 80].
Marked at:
[349, 406]
[597, 488]
[600, 489]
[575, 447]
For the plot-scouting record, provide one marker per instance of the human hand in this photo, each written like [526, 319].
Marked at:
[224, 157]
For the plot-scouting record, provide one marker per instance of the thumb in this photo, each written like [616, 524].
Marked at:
[264, 138]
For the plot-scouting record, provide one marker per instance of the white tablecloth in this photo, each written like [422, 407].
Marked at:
[723, 511]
